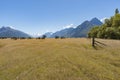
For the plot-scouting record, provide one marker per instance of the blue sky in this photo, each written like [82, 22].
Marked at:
[40, 16]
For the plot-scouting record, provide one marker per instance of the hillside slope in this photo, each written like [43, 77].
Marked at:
[83, 29]
[61, 59]
[9, 32]
[64, 32]
[80, 31]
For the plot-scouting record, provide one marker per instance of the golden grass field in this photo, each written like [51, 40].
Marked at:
[59, 59]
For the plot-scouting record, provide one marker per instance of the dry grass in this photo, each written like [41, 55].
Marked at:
[61, 59]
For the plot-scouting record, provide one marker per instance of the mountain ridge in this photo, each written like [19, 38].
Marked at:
[80, 31]
[10, 32]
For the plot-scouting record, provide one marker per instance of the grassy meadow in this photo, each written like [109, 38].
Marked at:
[59, 59]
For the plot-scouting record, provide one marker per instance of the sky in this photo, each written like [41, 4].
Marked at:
[40, 16]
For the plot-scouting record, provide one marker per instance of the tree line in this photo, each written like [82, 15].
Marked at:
[109, 30]
[42, 37]
[15, 38]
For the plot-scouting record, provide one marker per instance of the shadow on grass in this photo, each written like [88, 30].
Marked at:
[99, 45]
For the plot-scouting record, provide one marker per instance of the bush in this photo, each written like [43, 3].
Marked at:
[29, 37]
[14, 38]
[38, 38]
[44, 36]
[56, 37]
[22, 37]
[62, 37]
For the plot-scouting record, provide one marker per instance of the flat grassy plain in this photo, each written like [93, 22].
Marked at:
[59, 59]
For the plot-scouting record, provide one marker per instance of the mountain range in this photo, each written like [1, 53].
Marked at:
[10, 32]
[80, 31]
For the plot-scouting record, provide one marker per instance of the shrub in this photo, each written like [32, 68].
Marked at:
[56, 37]
[44, 36]
[62, 37]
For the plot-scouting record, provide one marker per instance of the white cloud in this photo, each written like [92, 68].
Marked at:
[103, 19]
[12, 27]
[69, 26]
[35, 34]
[47, 31]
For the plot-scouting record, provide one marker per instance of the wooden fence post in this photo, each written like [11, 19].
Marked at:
[93, 41]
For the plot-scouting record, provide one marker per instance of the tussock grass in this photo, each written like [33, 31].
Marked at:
[61, 59]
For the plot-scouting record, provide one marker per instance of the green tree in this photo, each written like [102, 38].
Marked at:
[108, 23]
[101, 32]
[116, 20]
[109, 30]
[117, 11]
[110, 33]
[93, 32]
